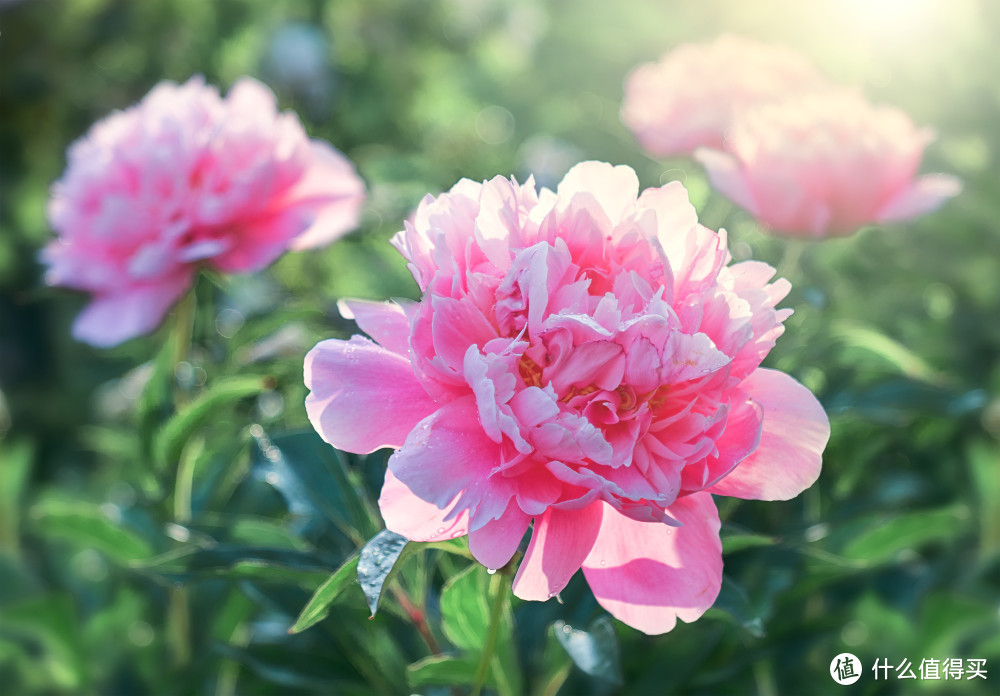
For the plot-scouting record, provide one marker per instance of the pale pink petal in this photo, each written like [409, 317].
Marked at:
[495, 542]
[384, 321]
[362, 396]
[560, 541]
[415, 518]
[448, 455]
[615, 188]
[332, 187]
[926, 194]
[111, 319]
[649, 574]
[726, 175]
[794, 433]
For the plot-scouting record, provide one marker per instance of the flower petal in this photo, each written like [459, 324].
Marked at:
[332, 187]
[648, 574]
[362, 396]
[111, 319]
[794, 433]
[447, 459]
[925, 195]
[726, 175]
[384, 321]
[495, 542]
[559, 543]
[415, 518]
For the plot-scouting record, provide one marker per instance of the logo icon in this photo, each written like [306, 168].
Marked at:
[845, 668]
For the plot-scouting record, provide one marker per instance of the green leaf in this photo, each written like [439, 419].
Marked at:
[310, 475]
[886, 538]
[170, 440]
[733, 541]
[237, 562]
[443, 670]
[734, 603]
[874, 342]
[465, 617]
[319, 604]
[16, 458]
[984, 464]
[465, 611]
[378, 558]
[595, 650]
[555, 666]
[86, 526]
[51, 620]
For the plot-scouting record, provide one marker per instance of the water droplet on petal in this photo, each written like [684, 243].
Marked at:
[604, 563]
[455, 535]
[567, 629]
[491, 571]
[440, 530]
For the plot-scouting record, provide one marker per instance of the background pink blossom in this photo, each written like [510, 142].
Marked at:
[182, 179]
[825, 163]
[583, 361]
[689, 97]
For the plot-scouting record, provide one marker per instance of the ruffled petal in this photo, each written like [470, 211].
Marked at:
[559, 543]
[362, 396]
[794, 433]
[649, 574]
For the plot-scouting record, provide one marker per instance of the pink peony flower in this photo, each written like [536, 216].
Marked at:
[689, 97]
[183, 179]
[826, 163]
[584, 360]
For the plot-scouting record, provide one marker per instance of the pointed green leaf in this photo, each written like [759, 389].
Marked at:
[888, 537]
[734, 604]
[443, 670]
[378, 557]
[319, 604]
[87, 526]
[170, 440]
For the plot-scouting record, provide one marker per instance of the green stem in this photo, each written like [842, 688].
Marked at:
[788, 267]
[179, 610]
[497, 590]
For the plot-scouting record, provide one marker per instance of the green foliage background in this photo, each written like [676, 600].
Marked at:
[894, 554]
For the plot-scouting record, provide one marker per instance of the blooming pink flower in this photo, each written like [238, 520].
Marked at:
[186, 178]
[825, 163]
[689, 97]
[585, 360]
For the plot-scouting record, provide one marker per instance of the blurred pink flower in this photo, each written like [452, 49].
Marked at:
[825, 163]
[187, 178]
[584, 359]
[688, 98]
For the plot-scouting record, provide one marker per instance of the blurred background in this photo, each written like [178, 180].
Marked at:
[894, 554]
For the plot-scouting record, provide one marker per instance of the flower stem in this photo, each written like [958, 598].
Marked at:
[499, 595]
[179, 610]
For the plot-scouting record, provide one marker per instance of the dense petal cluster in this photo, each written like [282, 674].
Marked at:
[182, 179]
[584, 362]
[825, 163]
[689, 97]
